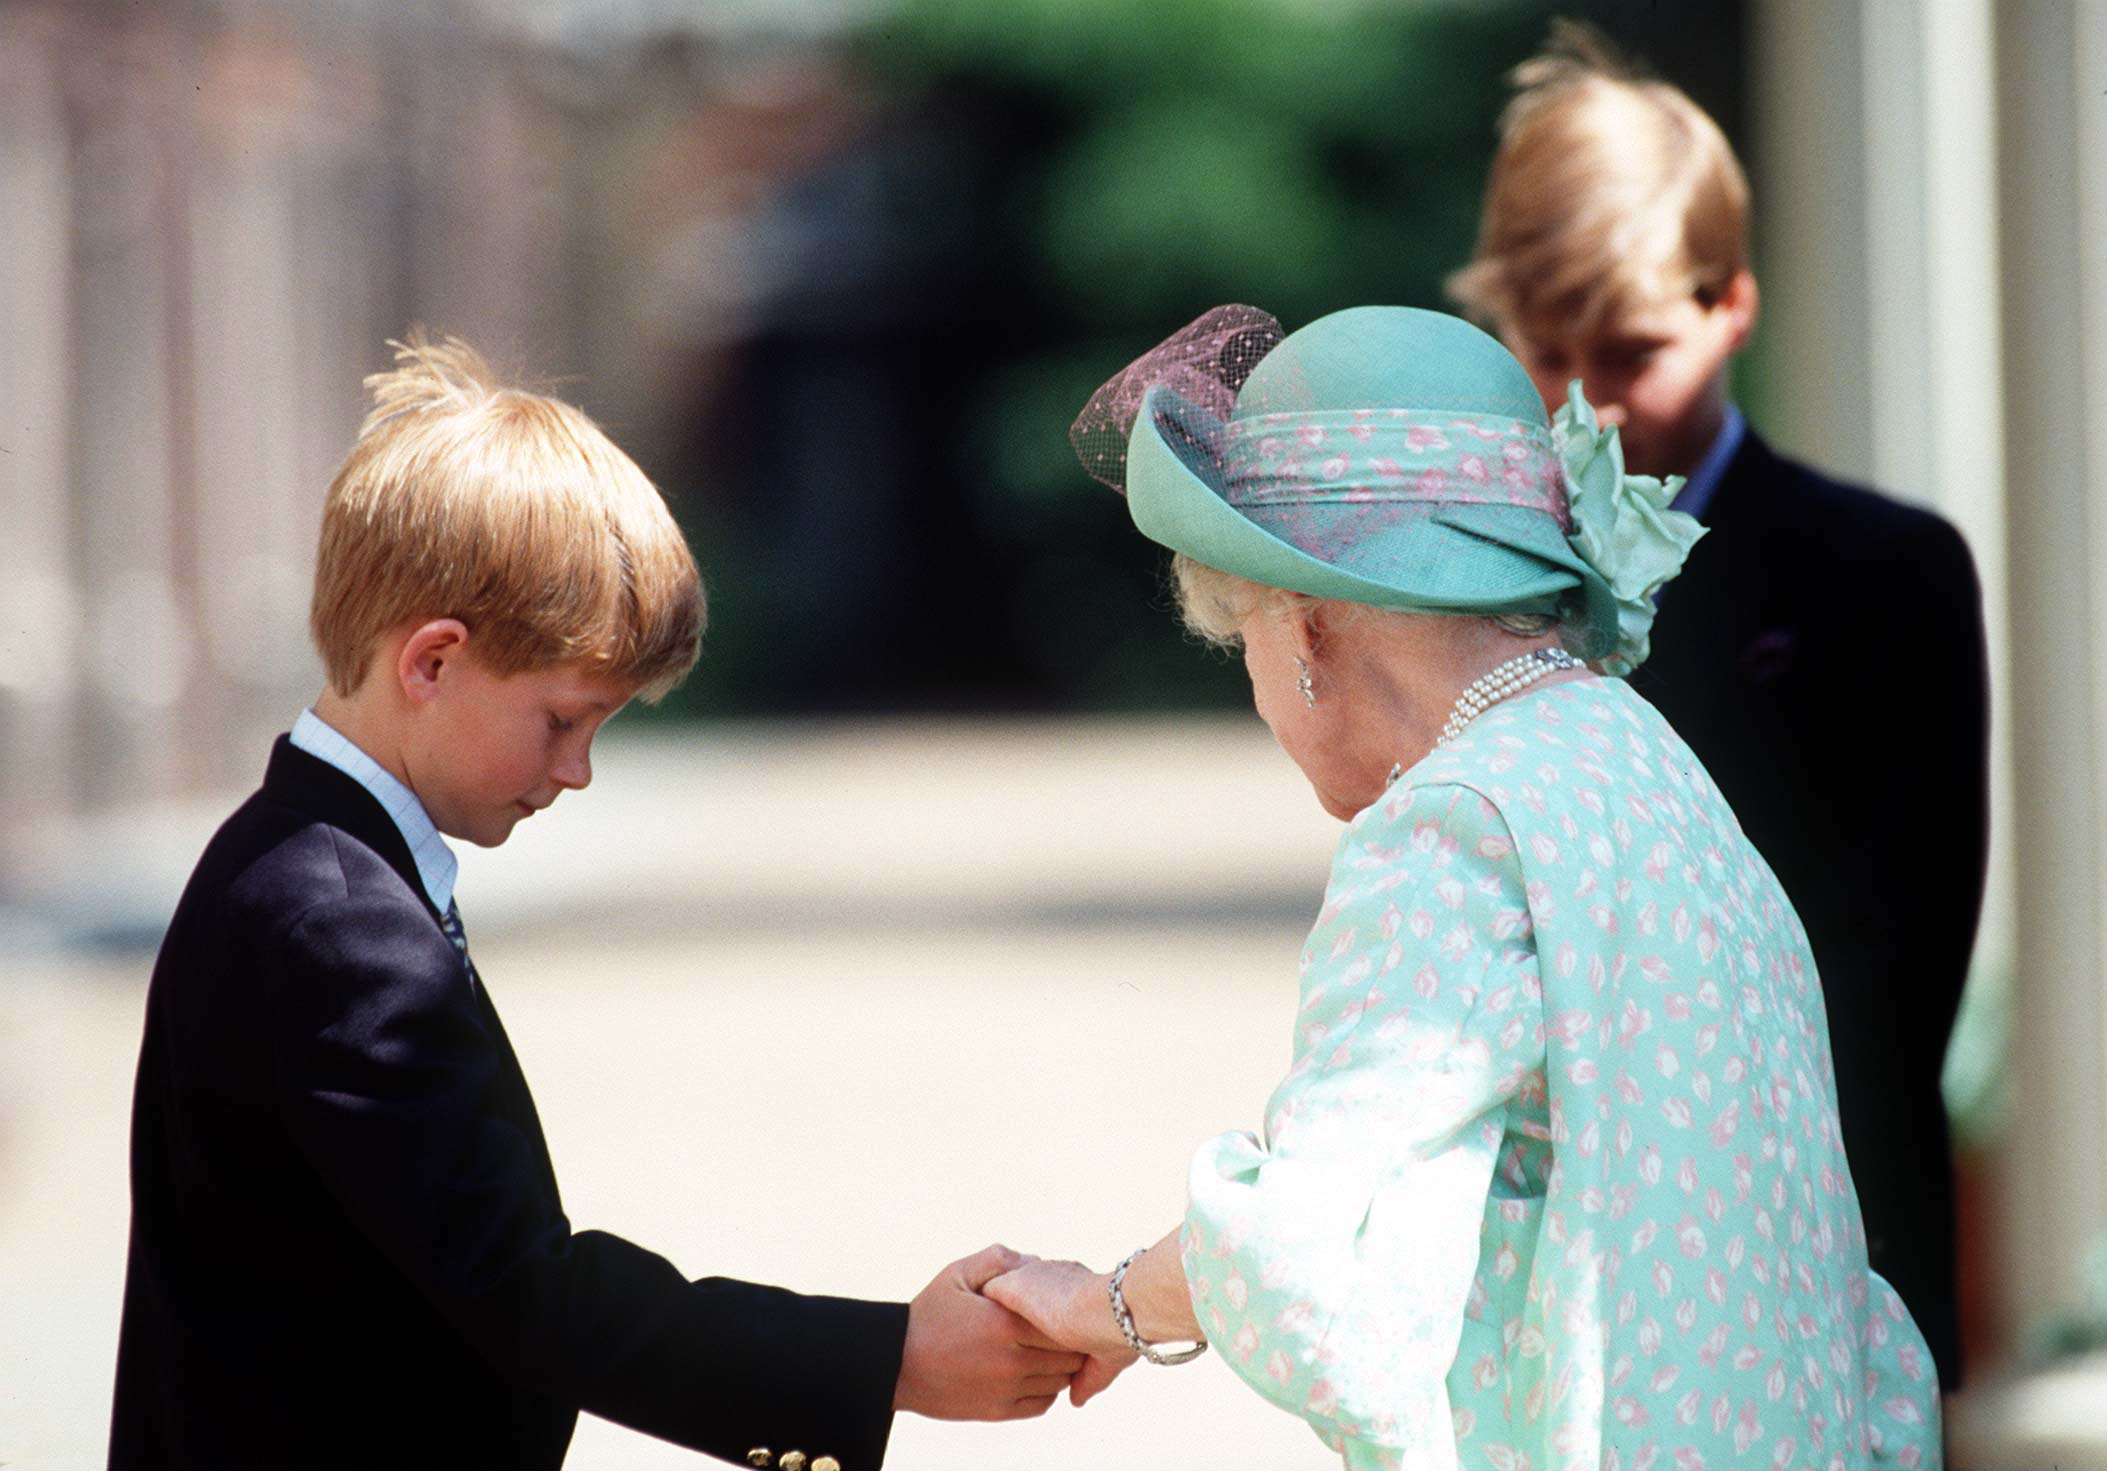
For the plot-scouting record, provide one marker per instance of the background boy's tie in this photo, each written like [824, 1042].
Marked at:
[451, 923]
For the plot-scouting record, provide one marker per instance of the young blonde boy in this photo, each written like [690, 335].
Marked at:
[347, 1244]
[1823, 651]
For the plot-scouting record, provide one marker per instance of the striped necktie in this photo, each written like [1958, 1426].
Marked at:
[451, 923]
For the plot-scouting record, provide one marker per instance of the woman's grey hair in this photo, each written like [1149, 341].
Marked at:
[1213, 605]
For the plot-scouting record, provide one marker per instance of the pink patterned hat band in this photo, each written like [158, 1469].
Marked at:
[1392, 455]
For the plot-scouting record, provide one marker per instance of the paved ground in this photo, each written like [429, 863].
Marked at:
[827, 1007]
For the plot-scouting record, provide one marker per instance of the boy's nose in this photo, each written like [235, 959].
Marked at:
[573, 773]
[1610, 414]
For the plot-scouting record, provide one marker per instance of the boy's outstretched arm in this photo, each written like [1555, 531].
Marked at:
[968, 1358]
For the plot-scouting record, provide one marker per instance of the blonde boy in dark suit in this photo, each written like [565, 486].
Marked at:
[347, 1245]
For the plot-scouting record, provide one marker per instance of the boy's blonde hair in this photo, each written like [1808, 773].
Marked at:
[510, 511]
[1610, 193]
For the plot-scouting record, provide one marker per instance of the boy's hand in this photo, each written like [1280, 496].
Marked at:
[968, 1358]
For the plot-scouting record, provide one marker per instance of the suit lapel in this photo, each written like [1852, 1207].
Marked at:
[1723, 623]
[311, 785]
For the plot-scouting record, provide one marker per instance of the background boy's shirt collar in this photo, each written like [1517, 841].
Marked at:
[436, 864]
[1695, 498]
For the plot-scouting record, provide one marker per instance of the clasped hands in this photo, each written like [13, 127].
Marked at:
[998, 1336]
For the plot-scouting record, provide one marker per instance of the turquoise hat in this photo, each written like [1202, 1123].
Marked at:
[1389, 456]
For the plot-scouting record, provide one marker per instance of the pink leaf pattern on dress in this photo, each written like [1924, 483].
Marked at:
[1611, 1018]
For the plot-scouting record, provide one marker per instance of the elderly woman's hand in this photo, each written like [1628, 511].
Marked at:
[1067, 1302]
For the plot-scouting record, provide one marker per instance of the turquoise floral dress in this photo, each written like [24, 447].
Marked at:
[1555, 1179]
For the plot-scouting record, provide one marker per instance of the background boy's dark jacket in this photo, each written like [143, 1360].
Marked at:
[1823, 654]
[347, 1247]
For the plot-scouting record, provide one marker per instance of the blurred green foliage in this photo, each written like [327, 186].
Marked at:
[1975, 1081]
[1069, 181]
[2081, 1329]
[1298, 156]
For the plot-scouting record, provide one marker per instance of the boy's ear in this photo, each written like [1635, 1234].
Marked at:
[425, 654]
[1739, 301]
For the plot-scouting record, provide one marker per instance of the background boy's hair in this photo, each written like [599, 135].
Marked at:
[510, 511]
[1610, 192]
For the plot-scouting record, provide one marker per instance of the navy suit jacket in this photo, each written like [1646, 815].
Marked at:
[1823, 654]
[347, 1246]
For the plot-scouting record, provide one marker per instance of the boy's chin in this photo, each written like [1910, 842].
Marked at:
[491, 832]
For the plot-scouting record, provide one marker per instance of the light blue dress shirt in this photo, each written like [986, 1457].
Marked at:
[1695, 498]
[436, 864]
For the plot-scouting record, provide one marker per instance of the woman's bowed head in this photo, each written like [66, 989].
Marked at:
[1376, 511]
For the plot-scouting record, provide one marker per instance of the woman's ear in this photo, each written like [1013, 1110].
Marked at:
[1307, 624]
[426, 653]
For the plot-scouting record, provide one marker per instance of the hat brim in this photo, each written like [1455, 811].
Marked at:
[1464, 559]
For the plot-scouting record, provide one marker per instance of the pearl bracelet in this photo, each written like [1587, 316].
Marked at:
[1125, 1319]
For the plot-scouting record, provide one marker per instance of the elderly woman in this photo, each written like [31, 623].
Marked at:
[1555, 1177]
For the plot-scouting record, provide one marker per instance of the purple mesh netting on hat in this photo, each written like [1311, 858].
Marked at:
[1204, 363]
[1330, 480]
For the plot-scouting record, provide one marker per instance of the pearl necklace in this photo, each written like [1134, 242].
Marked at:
[1488, 689]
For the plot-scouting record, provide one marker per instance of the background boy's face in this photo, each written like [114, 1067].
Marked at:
[493, 749]
[1658, 373]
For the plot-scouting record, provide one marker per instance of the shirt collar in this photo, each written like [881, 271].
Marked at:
[1695, 498]
[436, 864]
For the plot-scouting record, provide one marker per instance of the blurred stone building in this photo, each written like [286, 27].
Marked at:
[210, 218]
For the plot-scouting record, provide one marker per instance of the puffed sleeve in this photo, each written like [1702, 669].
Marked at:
[1330, 1262]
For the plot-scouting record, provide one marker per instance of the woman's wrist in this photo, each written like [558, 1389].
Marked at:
[1161, 1332]
[1092, 1313]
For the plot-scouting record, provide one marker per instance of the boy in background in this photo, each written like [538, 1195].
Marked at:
[347, 1245]
[1822, 653]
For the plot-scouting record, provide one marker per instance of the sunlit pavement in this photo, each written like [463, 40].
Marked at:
[821, 1005]
[825, 1006]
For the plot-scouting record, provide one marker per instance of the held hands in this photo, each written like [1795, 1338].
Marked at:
[1067, 1302]
[969, 1358]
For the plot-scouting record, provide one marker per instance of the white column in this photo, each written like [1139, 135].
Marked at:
[139, 648]
[257, 493]
[39, 651]
[2053, 153]
[1807, 172]
[1932, 279]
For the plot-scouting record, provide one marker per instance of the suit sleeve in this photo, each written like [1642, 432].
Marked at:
[1894, 964]
[386, 1072]
[1952, 811]
[1925, 842]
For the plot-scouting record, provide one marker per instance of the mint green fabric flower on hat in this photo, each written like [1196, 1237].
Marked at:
[1622, 524]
